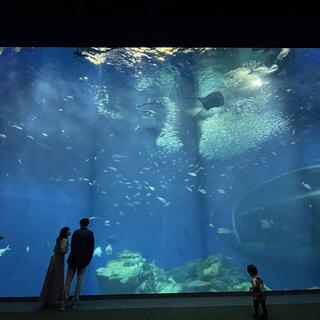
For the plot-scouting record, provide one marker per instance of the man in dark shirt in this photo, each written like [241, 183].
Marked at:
[82, 247]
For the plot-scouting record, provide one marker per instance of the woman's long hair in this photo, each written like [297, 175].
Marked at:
[63, 234]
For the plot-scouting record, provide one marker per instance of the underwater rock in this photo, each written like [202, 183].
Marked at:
[215, 273]
[131, 273]
[122, 275]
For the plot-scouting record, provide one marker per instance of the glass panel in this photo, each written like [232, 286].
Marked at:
[190, 163]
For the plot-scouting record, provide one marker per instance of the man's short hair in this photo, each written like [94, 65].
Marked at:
[84, 222]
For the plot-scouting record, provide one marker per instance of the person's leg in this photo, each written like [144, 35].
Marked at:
[256, 308]
[80, 276]
[264, 308]
[70, 275]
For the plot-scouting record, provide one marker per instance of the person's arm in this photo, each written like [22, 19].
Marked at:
[252, 284]
[64, 245]
[73, 238]
[91, 244]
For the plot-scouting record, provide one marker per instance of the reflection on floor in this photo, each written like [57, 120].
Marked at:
[297, 306]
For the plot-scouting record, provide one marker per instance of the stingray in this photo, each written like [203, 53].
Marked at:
[212, 100]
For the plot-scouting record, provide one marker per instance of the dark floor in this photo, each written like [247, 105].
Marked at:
[293, 307]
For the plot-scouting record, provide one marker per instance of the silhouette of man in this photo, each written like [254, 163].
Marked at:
[82, 247]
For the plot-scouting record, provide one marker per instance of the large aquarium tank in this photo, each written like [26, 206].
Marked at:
[190, 163]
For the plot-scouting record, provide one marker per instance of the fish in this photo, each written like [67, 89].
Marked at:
[15, 126]
[27, 249]
[188, 188]
[30, 137]
[201, 190]
[151, 103]
[94, 218]
[112, 168]
[306, 185]
[214, 99]
[211, 225]
[97, 252]
[222, 191]
[193, 174]
[4, 250]
[151, 188]
[20, 162]
[119, 156]
[266, 223]
[224, 231]
[108, 249]
[44, 134]
[107, 223]
[164, 201]
[2, 136]
[131, 204]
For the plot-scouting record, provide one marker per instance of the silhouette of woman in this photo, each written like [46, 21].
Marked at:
[53, 291]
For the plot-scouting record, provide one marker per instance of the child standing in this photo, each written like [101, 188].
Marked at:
[258, 293]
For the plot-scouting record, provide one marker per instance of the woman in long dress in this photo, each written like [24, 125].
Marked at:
[53, 292]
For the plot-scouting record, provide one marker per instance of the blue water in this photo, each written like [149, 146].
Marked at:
[62, 159]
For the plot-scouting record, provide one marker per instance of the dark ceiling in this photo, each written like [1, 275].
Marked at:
[164, 22]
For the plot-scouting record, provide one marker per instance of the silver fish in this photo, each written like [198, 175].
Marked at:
[4, 250]
[164, 201]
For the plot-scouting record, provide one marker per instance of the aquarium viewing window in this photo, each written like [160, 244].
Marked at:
[190, 163]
